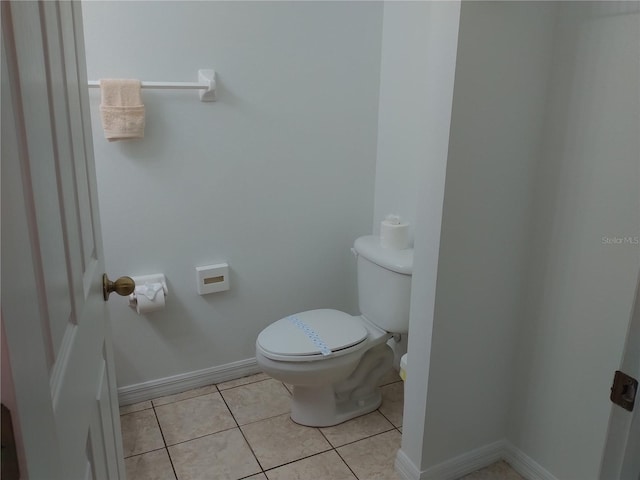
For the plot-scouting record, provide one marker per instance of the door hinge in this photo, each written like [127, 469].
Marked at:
[624, 390]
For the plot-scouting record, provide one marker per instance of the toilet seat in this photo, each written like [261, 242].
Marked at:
[312, 335]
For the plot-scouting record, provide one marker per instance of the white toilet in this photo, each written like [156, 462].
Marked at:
[334, 360]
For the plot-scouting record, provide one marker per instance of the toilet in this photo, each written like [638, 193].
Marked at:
[335, 360]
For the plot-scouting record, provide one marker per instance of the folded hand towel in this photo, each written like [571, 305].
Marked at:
[121, 109]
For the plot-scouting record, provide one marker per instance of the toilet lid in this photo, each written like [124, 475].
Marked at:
[312, 333]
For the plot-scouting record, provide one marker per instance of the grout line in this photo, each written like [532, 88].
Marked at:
[297, 460]
[201, 436]
[136, 411]
[149, 451]
[388, 419]
[218, 390]
[183, 399]
[325, 437]
[364, 438]
[243, 435]
[263, 419]
[345, 462]
[335, 449]
[354, 441]
[242, 385]
[252, 475]
[370, 436]
[390, 383]
[165, 442]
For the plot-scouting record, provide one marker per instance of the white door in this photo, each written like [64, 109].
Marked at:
[622, 453]
[56, 326]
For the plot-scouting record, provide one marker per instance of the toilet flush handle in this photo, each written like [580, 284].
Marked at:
[353, 250]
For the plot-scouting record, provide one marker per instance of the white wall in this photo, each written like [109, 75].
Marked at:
[418, 65]
[532, 300]
[402, 118]
[402, 112]
[498, 105]
[276, 177]
[581, 281]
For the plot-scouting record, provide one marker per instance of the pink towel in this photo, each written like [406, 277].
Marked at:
[121, 109]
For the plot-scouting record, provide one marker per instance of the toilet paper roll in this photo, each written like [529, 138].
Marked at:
[145, 304]
[394, 233]
[149, 294]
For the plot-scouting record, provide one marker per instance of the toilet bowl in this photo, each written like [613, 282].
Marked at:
[328, 380]
[335, 360]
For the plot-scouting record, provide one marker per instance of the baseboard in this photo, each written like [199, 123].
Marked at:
[141, 392]
[474, 460]
[405, 467]
[454, 468]
[465, 463]
[524, 464]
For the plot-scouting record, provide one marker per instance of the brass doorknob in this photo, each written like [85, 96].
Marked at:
[123, 286]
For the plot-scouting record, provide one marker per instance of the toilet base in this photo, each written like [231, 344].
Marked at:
[314, 407]
[328, 405]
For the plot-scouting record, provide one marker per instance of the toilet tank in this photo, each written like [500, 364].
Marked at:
[384, 283]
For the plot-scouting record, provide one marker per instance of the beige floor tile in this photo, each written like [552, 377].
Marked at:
[135, 407]
[260, 476]
[196, 392]
[220, 456]
[391, 376]
[393, 402]
[194, 417]
[140, 433]
[326, 466]
[279, 440]
[257, 401]
[150, 466]
[357, 429]
[373, 458]
[243, 381]
[497, 471]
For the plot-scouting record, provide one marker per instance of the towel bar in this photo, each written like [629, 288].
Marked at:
[206, 83]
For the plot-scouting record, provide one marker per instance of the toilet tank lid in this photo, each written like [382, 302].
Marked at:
[400, 261]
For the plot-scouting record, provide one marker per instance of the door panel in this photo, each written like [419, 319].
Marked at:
[31, 376]
[76, 86]
[57, 80]
[55, 318]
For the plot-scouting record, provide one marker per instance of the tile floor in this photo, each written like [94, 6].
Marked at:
[241, 430]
